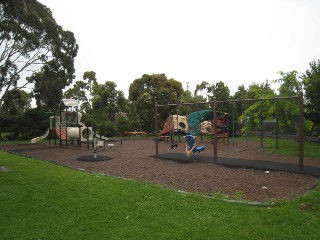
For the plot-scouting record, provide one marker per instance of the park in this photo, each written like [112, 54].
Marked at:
[173, 130]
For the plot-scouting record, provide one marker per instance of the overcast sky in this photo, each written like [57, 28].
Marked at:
[237, 42]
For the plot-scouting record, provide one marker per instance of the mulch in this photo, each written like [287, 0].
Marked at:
[134, 159]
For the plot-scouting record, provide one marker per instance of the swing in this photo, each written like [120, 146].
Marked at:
[191, 145]
[174, 146]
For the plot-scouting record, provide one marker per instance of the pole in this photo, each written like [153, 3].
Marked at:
[94, 143]
[301, 131]
[60, 127]
[277, 127]
[233, 125]
[246, 127]
[215, 142]
[156, 127]
[261, 123]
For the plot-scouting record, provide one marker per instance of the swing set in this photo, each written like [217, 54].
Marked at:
[214, 114]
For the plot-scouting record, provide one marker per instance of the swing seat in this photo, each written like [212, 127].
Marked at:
[174, 146]
[199, 149]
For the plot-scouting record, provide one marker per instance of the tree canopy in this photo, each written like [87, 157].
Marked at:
[82, 90]
[311, 81]
[34, 49]
[144, 92]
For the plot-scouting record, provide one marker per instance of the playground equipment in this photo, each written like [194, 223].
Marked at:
[37, 139]
[191, 145]
[68, 126]
[175, 123]
[199, 122]
[214, 105]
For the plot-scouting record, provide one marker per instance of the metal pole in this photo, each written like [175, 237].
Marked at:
[261, 123]
[79, 137]
[60, 127]
[94, 144]
[215, 142]
[301, 131]
[55, 127]
[246, 127]
[277, 127]
[87, 138]
[156, 127]
[233, 125]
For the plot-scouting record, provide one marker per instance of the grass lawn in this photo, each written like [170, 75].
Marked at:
[41, 200]
[291, 147]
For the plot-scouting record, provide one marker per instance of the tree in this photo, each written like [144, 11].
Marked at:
[34, 46]
[289, 84]
[262, 90]
[219, 90]
[107, 102]
[311, 82]
[240, 94]
[15, 103]
[144, 92]
[257, 111]
[82, 90]
[188, 98]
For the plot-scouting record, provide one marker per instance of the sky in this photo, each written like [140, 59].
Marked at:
[237, 42]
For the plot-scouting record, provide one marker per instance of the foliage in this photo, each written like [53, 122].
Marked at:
[15, 103]
[82, 90]
[311, 81]
[289, 84]
[34, 200]
[30, 41]
[108, 129]
[89, 120]
[123, 124]
[31, 123]
[144, 92]
[219, 90]
[188, 98]
[240, 94]
[107, 102]
[254, 112]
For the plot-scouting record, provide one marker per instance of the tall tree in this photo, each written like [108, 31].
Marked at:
[147, 90]
[289, 84]
[218, 90]
[311, 82]
[82, 90]
[32, 44]
[15, 103]
[107, 102]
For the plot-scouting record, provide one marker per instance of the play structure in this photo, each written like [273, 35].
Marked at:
[196, 123]
[69, 129]
[257, 118]
[199, 122]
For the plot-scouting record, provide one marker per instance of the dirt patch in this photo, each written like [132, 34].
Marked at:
[133, 160]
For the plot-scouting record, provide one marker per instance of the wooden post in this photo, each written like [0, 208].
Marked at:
[301, 131]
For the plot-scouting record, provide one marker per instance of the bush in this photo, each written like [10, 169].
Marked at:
[108, 129]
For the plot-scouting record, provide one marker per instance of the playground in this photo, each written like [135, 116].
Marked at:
[135, 160]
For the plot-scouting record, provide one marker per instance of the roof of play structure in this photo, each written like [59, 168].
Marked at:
[69, 103]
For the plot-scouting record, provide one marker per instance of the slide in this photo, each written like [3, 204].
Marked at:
[35, 140]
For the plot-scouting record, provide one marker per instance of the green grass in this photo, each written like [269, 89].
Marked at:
[291, 147]
[41, 200]
[3, 142]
